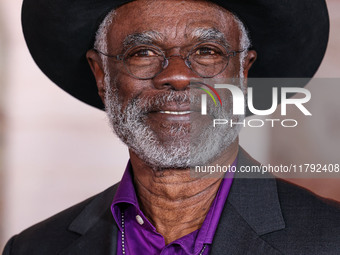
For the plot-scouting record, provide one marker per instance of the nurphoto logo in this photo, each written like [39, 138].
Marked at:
[239, 99]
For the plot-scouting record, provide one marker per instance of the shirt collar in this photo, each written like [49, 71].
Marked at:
[125, 194]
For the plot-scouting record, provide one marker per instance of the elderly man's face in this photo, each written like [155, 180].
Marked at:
[151, 116]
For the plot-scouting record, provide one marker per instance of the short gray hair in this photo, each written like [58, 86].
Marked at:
[102, 32]
[245, 42]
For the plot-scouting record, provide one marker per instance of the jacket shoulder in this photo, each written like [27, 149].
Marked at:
[312, 223]
[52, 235]
[307, 206]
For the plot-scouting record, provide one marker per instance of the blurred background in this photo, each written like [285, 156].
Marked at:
[56, 151]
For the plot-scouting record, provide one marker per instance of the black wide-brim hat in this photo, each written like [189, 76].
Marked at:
[290, 37]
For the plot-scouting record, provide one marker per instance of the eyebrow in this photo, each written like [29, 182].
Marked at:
[209, 34]
[147, 37]
[199, 35]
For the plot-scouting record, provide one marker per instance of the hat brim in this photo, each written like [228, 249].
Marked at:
[290, 38]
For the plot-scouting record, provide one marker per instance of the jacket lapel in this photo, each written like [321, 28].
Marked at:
[96, 226]
[252, 209]
[235, 237]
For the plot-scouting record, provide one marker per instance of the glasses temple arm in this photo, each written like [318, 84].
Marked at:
[117, 57]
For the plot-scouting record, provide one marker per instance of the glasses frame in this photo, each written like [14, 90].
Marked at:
[165, 63]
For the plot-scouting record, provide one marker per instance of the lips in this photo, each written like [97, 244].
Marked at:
[171, 108]
[171, 114]
[176, 112]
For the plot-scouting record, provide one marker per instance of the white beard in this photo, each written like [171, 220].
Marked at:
[130, 126]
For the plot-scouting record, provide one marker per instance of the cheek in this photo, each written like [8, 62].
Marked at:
[232, 70]
[234, 66]
[127, 87]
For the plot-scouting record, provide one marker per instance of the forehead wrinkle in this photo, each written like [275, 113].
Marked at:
[146, 37]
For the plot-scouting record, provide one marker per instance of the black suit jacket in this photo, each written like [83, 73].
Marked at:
[261, 216]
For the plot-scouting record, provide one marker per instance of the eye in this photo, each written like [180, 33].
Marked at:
[205, 51]
[143, 53]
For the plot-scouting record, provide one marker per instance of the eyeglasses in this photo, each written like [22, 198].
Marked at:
[206, 59]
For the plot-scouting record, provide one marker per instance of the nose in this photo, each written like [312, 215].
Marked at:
[176, 74]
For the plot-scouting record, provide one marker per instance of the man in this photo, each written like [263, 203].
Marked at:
[145, 56]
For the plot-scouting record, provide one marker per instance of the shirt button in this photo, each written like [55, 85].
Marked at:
[139, 220]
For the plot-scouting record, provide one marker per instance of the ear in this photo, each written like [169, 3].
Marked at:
[249, 61]
[95, 63]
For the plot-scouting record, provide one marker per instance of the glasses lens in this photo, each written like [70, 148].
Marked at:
[208, 59]
[143, 61]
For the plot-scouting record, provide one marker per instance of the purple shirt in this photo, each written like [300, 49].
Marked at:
[141, 237]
